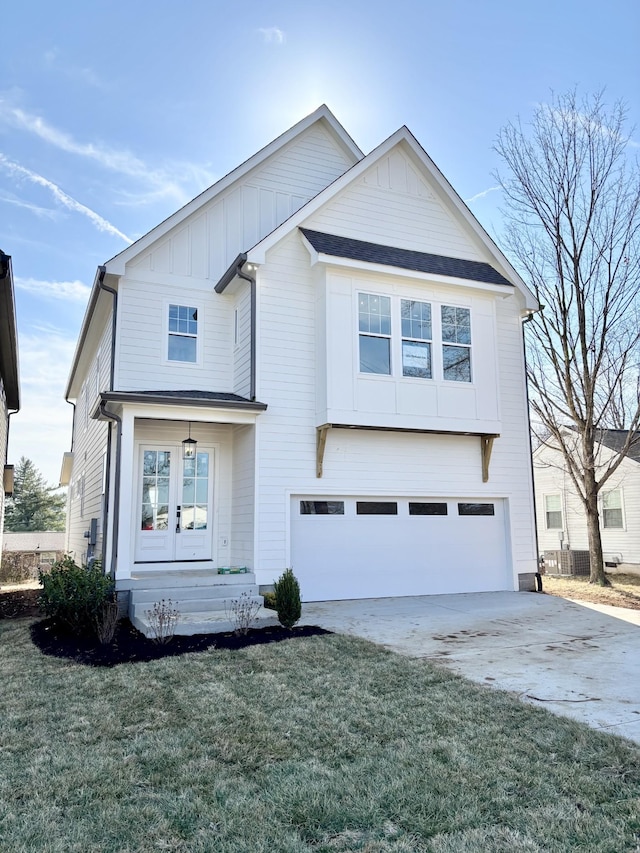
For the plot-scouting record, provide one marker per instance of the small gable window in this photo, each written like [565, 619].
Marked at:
[183, 333]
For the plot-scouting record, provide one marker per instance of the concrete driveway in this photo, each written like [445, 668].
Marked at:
[576, 660]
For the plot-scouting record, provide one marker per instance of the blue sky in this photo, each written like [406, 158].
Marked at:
[113, 115]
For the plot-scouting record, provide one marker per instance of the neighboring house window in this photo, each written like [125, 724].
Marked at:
[612, 509]
[416, 338]
[374, 324]
[553, 511]
[456, 343]
[183, 333]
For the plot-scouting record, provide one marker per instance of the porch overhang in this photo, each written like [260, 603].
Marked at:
[153, 403]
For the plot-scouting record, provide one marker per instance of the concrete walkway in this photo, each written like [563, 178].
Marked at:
[581, 661]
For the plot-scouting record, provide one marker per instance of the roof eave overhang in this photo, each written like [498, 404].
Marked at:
[9, 362]
[128, 397]
[503, 290]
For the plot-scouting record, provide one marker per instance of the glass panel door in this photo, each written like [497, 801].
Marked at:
[155, 489]
[195, 493]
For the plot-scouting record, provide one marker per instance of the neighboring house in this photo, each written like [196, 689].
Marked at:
[343, 341]
[562, 522]
[25, 553]
[9, 376]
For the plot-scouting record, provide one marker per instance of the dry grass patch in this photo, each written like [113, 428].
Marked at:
[317, 745]
[623, 592]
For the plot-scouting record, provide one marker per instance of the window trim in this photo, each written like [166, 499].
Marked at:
[198, 336]
[396, 338]
[623, 524]
[382, 335]
[468, 346]
[546, 511]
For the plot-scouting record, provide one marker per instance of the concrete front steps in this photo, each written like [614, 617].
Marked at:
[205, 600]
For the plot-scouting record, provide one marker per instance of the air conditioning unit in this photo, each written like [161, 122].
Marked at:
[567, 563]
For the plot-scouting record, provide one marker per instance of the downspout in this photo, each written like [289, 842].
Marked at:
[528, 319]
[252, 283]
[111, 416]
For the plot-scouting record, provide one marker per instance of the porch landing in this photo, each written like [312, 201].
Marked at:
[206, 601]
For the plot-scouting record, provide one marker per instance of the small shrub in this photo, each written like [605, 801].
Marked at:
[107, 622]
[270, 600]
[74, 596]
[288, 602]
[163, 618]
[242, 612]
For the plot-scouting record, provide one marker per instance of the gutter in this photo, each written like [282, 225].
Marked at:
[235, 271]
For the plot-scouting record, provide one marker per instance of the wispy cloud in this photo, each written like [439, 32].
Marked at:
[75, 291]
[44, 212]
[67, 201]
[272, 35]
[118, 161]
[159, 183]
[482, 194]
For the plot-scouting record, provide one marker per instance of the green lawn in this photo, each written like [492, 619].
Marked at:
[318, 744]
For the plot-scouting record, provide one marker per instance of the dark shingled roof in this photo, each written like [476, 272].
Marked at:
[615, 438]
[373, 253]
[195, 398]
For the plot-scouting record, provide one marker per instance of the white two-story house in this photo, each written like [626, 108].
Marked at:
[316, 363]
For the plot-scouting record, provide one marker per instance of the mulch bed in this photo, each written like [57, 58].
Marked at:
[130, 646]
[19, 603]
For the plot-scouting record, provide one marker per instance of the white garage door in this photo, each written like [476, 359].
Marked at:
[349, 547]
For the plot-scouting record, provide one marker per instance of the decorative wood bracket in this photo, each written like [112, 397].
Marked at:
[321, 440]
[486, 446]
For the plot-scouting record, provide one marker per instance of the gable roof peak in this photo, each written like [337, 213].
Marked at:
[116, 264]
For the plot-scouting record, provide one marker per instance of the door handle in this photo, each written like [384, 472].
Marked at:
[178, 519]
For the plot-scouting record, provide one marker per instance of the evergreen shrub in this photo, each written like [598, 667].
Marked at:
[288, 602]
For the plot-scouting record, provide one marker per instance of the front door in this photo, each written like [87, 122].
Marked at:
[174, 517]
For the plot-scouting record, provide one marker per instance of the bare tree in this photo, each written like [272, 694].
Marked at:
[573, 229]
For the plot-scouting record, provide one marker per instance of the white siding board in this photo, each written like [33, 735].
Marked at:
[89, 447]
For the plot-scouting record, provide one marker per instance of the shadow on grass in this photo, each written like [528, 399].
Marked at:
[130, 646]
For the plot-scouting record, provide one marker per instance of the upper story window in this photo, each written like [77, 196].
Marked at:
[612, 509]
[374, 324]
[416, 338]
[381, 347]
[553, 511]
[183, 333]
[456, 343]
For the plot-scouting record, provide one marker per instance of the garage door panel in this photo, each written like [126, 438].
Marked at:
[370, 556]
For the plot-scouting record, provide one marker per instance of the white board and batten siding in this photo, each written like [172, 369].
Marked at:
[373, 463]
[391, 204]
[206, 243]
[347, 396]
[551, 478]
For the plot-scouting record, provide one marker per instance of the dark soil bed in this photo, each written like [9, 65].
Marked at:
[19, 603]
[130, 646]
